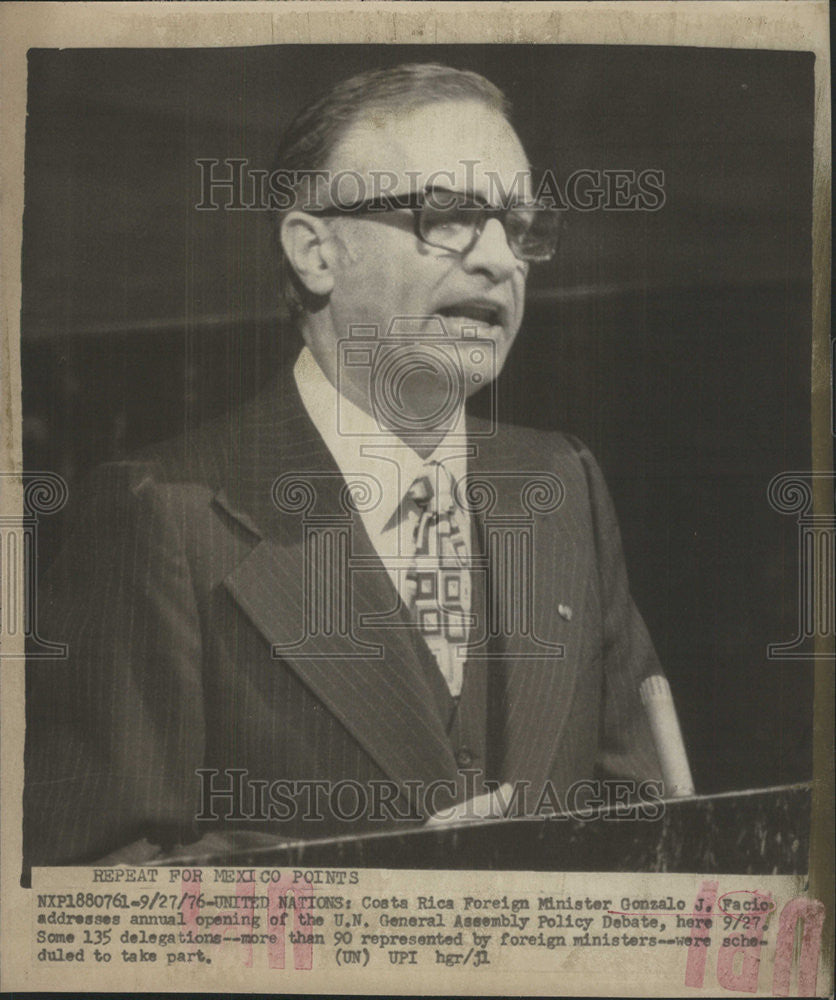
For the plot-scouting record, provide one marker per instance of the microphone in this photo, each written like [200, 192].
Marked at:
[658, 703]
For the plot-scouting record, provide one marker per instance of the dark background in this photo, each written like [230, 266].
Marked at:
[675, 343]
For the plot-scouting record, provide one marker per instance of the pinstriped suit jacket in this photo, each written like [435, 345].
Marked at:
[182, 574]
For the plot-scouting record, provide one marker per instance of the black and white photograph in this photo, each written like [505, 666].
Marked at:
[418, 466]
[262, 288]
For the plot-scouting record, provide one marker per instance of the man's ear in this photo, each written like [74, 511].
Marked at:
[309, 248]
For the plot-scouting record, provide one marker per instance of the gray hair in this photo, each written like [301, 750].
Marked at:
[314, 134]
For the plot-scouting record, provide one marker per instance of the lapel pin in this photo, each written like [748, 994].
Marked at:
[564, 611]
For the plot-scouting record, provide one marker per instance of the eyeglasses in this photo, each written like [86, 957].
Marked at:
[454, 221]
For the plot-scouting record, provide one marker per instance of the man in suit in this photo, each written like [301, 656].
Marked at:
[244, 607]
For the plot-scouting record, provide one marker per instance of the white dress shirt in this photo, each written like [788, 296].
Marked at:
[362, 448]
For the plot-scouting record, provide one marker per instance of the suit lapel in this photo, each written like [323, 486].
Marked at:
[301, 589]
[537, 689]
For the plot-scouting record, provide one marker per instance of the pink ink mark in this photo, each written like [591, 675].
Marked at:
[191, 910]
[278, 918]
[746, 942]
[697, 952]
[811, 911]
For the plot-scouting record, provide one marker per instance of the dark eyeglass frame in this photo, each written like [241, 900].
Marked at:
[441, 199]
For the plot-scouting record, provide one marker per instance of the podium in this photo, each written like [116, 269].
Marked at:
[757, 832]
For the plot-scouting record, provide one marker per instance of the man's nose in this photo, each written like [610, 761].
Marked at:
[491, 253]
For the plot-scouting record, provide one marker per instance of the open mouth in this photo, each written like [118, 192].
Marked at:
[479, 313]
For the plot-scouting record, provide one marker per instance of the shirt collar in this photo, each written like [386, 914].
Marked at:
[333, 415]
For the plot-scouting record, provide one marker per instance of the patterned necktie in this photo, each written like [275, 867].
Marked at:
[439, 579]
